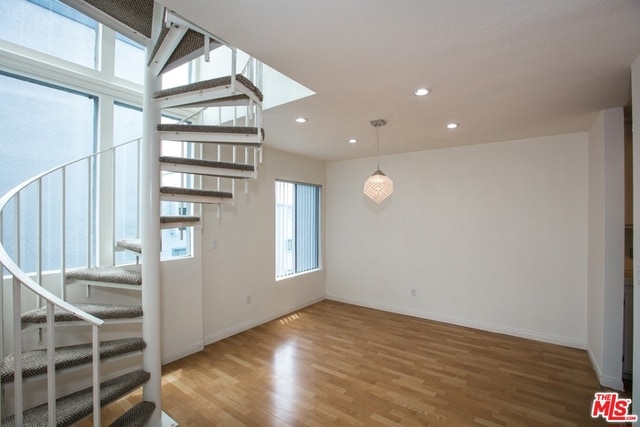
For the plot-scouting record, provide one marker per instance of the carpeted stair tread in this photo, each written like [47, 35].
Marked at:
[34, 362]
[106, 274]
[136, 416]
[136, 15]
[190, 43]
[243, 130]
[172, 219]
[179, 191]
[206, 163]
[101, 311]
[133, 245]
[208, 84]
[74, 407]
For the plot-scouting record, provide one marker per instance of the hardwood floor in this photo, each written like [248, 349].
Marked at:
[338, 364]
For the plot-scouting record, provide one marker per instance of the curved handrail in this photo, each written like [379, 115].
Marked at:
[17, 272]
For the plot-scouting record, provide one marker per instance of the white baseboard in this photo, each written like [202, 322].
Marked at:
[604, 380]
[489, 327]
[192, 349]
[236, 329]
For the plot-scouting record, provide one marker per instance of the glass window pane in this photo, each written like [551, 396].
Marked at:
[129, 60]
[297, 228]
[50, 27]
[306, 227]
[177, 77]
[285, 250]
[42, 127]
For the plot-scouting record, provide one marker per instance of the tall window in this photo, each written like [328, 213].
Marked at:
[50, 27]
[43, 126]
[297, 228]
[46, 121]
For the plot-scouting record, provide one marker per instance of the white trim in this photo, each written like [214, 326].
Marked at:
[236, 329]
[484, 326]
[301, 273]
[26, 62]
[192, 349]
[605, 381]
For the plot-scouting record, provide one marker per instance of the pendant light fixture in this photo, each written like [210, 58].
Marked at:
[378, 186]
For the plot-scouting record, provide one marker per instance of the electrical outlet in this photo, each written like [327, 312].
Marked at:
[248, 299]
[214, 244]
[413, 292]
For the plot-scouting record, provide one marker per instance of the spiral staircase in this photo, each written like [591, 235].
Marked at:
[170, 41]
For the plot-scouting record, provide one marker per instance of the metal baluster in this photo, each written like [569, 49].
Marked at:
[96, 374]
[17, 349]
[39, 244]
[89, 185]
[207, 48]
[246, 162]
[39, 235]
[63, 235]
[114, 156]
[138, 189]
[16, 234]
[51, 361]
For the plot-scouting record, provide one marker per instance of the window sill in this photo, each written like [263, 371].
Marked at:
[289, 276]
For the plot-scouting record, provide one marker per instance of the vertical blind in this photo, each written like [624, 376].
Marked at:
[297, 228]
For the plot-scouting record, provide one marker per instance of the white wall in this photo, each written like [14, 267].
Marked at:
[182, 310]
[243, 263]
[491, 236]
[605, 294]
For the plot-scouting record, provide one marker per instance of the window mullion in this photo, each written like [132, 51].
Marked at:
[106, 52]
[104, 187]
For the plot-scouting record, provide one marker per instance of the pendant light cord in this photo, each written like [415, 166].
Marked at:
[378, 146]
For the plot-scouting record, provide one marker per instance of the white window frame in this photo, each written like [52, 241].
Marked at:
[100, 82]
[290, 243]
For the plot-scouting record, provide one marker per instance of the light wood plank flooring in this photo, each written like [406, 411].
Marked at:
[339, 364]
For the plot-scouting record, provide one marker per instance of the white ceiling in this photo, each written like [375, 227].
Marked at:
[503, 69]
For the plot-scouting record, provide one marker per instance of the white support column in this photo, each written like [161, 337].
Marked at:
[150, 233]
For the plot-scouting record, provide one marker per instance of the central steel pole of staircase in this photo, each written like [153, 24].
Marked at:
[150, 223]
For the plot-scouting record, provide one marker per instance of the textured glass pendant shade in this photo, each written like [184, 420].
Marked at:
[378, 186]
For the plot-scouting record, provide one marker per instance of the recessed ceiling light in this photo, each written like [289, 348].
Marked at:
[422, 91]
[353, 141]
[301, 120]
[452, 125]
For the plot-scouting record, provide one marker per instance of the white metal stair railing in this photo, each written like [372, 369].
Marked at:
[94, 165]
[168, 30]
[19, 280]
